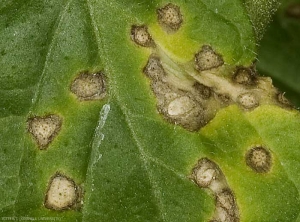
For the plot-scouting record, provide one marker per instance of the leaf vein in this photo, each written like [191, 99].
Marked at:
[143, 156]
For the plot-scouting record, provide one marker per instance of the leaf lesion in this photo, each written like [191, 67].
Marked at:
[173, 83]
[207, 174]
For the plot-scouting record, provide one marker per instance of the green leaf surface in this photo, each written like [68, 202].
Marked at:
[260, 13]
[131, 164]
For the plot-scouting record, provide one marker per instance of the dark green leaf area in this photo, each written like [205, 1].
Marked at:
[279, 52]
[35, 45]
[10, 155]
[126, 183]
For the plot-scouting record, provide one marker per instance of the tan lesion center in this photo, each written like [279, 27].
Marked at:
[176, 84]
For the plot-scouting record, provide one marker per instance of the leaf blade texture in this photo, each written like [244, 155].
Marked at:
[128, 161]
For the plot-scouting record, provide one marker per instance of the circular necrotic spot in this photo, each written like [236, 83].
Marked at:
[248, 100]
[170, 17]
[180, 106]
[141, 36]
[293, 11]
[44, 129]
[204, 91]
[62, 193]
[244, 76]
[89, 86]
[205, 172]
[154, 69]
[259, 159]
[207, 59]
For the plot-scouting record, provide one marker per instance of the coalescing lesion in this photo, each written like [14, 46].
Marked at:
[190, 93]
[207, 174]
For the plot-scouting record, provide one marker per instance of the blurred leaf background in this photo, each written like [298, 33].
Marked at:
[279, 50]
